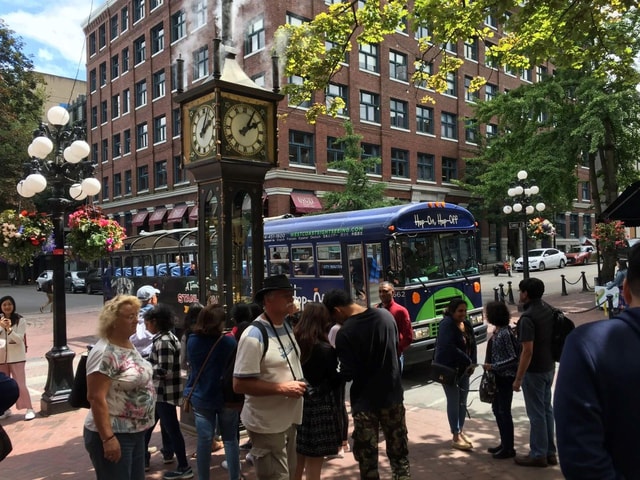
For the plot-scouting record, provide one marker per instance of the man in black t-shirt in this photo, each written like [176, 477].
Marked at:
[535, 374]
[367, 349]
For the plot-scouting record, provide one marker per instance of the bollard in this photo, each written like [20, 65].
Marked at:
[510, 293]
[564, 287]
[502, 296]
[610, 305]
[495, 294]
[585, 285]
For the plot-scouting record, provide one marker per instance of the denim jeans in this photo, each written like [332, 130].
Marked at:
[536, 390]
[501, 407]
[172, 439]
[228, 420]
[131, 464]
[457, 403]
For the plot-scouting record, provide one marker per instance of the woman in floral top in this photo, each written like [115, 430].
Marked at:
[121, 393]
[502, 359]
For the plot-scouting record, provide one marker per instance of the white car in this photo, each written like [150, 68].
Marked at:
[43, 278]
[542, 258]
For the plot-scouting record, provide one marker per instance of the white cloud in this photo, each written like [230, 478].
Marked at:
[44, 55]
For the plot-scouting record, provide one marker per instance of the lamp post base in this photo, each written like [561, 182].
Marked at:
[55, 398]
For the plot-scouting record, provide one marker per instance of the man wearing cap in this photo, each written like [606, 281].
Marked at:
[272, 384]
[141, 340]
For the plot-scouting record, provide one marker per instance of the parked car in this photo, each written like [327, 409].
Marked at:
[43, 278]
[93, 281]
[542, 258]
[580, 254]
[74, 281]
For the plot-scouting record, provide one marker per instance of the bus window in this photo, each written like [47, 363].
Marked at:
[357, 273]
[329, 260]
[374, 270]
[302, 258]
[279, 260]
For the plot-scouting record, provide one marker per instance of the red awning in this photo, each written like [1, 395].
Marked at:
[305, 202]
[157, 216]
[193, 214]
[139, 218]
[177, 213]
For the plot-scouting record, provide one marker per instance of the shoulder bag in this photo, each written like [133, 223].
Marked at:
[186, 406]
[443, 374]
[78, 395]
[487, 389]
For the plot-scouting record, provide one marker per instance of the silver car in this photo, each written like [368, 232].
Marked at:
[542, 258]
[74, 281]
[43, 278]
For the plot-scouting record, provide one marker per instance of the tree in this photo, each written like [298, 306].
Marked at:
[359, 193]
[21, 98]
[602, 35]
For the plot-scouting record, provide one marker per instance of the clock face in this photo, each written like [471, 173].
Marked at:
[202, 130]
[245, 128]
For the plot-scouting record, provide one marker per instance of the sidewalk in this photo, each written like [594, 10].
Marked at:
[52, 447]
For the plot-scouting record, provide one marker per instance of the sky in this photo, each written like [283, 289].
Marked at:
[51, 32]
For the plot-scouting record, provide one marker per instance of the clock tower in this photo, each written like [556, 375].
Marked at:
[229, 142]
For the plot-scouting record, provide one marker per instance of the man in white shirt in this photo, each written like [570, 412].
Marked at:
[141, 340]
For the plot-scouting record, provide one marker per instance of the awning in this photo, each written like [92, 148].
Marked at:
[139, 218]
[305, 202]
[177, 213]
[193, 214]
[157, 216]
[625, 207]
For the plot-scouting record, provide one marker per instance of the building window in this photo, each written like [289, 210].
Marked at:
[126, 101]
[449, 169]
[175, 122]
[93, 48]
[124, 19]
[335, 150]
[259, 79]
[116, 146]
[178, 26]
[160, 173]
[573, 226]
[199, 13]
[526, 74]
[424, 120]
[104, 112]
[490, 60]
[103, 74]
[93, 80]
[255, 36]
[201, 63]
[398, 66]
[297, 80]
[141, 93]
[370, 150]
[153, 4]
[125, 59]
[398, 113]
[115, 106]
[452, 85]
[138, 10]
[399, 163]
[335, 90]
[143, 178]
[470, 96]
[301, 148]
[105, 150]
[368, 57]
[126, 144]
[471, 49]
[586, 226]
[114, 27]
[422, 32]
[142, 136]
[426, 163]
[102, 36]
[561, 225]
[179, 172]
[586, 192]
[450, 47]
[117, 185]
[160, 129]
[369, 107]
[541, 73]
[94, 116]
[128, 187]
[470, 131]
[158, 84]
[448, 125]
[139, 50]
[94, 153]
[115, 67]
[328, 46]
[157, 39]
[492, 131]
[491, 21]
[105, 188]
[490, 91]
[295, 20]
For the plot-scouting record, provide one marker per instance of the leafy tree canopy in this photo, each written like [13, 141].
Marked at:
[573, 34]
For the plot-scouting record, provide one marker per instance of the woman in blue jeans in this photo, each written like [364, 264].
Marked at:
[209, 350]
[456, 348]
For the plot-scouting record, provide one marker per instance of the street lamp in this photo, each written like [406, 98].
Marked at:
[523, 206]
[69, 174]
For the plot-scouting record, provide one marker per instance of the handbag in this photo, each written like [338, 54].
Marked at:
[78, 395]
[443, 374]
[186, 405]
[487, 389]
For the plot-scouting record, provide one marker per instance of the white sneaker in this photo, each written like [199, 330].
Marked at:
[249, 458]
[30, 415]
[6, 414]
[224, 465]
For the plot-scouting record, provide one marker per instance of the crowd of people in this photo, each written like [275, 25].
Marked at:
[293, 365]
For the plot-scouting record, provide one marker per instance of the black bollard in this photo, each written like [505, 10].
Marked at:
[510, 293]
[495, 294]
[585, 285]
[502, 296]
[564, 287]
[610, 305]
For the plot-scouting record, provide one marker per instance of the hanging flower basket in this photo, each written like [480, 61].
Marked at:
[23, 235]
[610, 235]
[92, 235]
[540, 228]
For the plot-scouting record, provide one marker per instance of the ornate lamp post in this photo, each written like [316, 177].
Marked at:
[69, 174]
[523, 207]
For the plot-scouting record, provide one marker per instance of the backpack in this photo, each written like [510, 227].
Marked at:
[232, 399]
[562, 326]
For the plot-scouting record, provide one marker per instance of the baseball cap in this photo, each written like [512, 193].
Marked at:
[146, 292]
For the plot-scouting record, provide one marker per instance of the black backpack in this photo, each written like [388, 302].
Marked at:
[562, 326]
[232, 399]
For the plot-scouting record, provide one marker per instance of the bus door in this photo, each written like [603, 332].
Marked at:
[365, 260]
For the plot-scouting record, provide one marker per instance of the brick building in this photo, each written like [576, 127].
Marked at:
[134, 124]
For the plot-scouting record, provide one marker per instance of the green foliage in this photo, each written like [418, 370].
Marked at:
[21, 100]
[359, 193]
